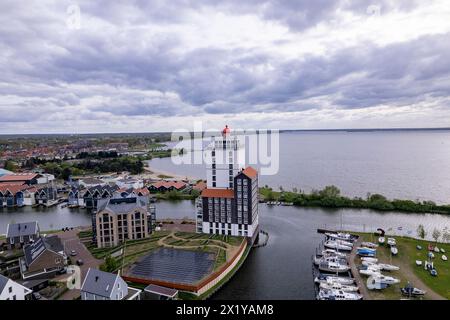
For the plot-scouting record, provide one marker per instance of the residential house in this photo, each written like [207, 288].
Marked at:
[75, 198]
[93, 194]
[46, 195]
[12, 195]
[20, 234]
[164, 186]
[43, 258]
[100, 285]
[11, 290]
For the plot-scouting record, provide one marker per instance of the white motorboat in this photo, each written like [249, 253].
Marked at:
[369, 245]
[332, 244]
[444, 257]
[320, 259]
[369, 259]
[332, 252]
[386, 279]
[330, 294]
[436, 249]
[340, 236]
[342, 280]
[338, 286]
[442, 250]
[333, 267]
[381, 240]
[370, 272]
[394, 251]
[418, 262]
[388, 267]
[391, 242]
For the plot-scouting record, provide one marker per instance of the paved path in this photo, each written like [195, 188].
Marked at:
[360, 281]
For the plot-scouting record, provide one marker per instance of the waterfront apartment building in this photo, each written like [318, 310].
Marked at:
[123, 218]
[229, 204]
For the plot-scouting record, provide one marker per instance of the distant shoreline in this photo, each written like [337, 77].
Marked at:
[12, 135]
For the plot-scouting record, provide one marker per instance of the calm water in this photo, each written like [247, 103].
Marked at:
[282, 269]
[408, 165]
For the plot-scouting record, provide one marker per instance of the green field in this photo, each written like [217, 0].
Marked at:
[406, 260]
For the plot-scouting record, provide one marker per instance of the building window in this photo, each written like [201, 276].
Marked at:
[214, 184]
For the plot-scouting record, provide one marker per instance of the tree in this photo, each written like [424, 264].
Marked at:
[436, 234]
[10, 166]
[330, 192]
[421, 232]
[110, 264]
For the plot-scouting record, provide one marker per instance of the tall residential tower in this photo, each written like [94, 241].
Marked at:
[229, 204]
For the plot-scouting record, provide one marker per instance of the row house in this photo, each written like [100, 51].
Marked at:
[164, 186]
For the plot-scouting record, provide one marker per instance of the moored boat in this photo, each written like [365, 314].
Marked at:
[444, 257]
[338, 286]
[342, 280]
[333, 267]
[330, 294]
[369, 259]
[332, 244]
[369, 245]
[381, 240]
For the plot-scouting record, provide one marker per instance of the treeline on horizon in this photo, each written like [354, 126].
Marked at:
[330, 197]
[64, 169]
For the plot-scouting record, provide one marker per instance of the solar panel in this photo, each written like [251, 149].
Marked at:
[171, 265]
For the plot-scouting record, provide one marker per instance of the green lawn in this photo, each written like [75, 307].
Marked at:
[407, 255]
[441, 283]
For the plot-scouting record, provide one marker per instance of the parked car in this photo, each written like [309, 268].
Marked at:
[62, 271]
[73, 253]
[80, 262]
[36, 296]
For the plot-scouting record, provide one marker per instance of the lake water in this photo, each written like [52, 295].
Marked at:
[398, 164]
[282, 269]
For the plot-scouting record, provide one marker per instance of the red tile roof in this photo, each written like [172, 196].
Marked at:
[18, 177]
[167, 184]
[250, 172]
[13, 188]
[200, 186]
[218, 193]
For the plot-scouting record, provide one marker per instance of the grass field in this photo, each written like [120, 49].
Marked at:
[406, 260]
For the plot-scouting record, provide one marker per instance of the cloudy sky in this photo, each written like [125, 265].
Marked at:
[137, 66]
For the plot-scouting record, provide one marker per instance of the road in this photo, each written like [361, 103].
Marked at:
[71, 242]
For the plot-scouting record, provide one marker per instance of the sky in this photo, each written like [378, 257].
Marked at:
[144, 66]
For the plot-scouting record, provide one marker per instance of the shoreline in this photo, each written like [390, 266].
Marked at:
[153, 173]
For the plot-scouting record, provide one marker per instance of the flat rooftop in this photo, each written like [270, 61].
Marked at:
[173, 265]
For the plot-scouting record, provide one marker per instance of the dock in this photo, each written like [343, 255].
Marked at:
[360, 281]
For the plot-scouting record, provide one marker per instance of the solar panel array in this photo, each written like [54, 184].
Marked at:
[171, 265]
